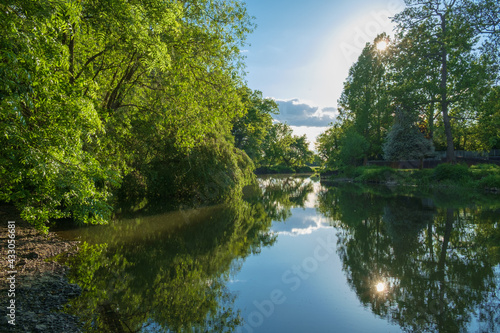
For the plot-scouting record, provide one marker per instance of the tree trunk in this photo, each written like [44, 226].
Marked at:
[430, 116]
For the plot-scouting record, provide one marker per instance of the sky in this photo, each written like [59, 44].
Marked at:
[301, 51]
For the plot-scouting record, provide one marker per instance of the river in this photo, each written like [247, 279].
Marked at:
[296, 255]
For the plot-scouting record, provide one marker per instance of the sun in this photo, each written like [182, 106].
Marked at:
[382, 45]
[380, 287]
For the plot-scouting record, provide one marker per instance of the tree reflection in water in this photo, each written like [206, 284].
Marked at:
[428, 264]
[169, 272]
[425, 266]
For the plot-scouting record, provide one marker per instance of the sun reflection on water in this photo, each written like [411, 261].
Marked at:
[380, 287]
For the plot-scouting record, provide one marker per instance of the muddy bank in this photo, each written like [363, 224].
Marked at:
[40, 285]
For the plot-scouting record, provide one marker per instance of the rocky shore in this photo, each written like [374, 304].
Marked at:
[39, 287]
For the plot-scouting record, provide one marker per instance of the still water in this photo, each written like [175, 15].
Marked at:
[296, 255]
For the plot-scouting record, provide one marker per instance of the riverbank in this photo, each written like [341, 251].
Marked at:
[281, 169]
[483, 177]
[36, 286]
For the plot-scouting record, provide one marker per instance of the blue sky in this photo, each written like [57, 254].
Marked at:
[301, 52]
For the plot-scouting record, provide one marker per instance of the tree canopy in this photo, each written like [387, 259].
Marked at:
[441, 67]
[128, 101]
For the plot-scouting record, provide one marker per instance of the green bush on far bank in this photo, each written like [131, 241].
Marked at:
[490, 182]
[452, 172]
[483, 170]
[369, 174]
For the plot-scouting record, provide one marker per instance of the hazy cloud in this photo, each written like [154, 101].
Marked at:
[298, 113]
[302, 222]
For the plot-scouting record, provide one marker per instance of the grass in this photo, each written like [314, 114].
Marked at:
[484, 176]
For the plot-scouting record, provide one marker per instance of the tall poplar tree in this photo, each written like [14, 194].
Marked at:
[365, 103]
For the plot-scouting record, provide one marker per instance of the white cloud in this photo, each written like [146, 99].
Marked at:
[302, 225]
[302, 113]
[311, 133]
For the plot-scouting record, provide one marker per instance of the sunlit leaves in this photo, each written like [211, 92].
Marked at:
[365, 102]
[94, 89]
[282, 147]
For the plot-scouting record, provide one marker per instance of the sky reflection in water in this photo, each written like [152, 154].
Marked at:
[297, 257]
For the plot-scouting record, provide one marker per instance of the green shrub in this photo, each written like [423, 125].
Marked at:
[351, 172]
[489, 167]
[283, 169]
[491, 181]
[378, 174]
[422, 177]
[304, 169]
[353, 147]
[454, 172]
[483, 170]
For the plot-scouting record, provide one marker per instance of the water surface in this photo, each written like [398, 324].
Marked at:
[297, 256]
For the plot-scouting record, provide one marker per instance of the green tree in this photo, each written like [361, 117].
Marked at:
[250, 130]
[405, 141]
[328, 145]
[353, 147]
[282, 147]
[47, 120]
[454, 71]
[88, 98]
[486, 130]
[365, 103]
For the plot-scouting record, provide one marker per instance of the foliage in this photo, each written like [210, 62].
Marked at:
[463, 180]
[364, 104]
[480, 171]
[490, 182]
[251, 129]
[422, 177]
[486, 129]
[304, 169]
[353, 147]
[282, 169]
[405, 141]
[277, 169]
[454, 172]
[328, 145]
[456, 72]
[47, 120]
[282, 147]
[442, 68]
[486, 167]
[378, 175]
[96, 92]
